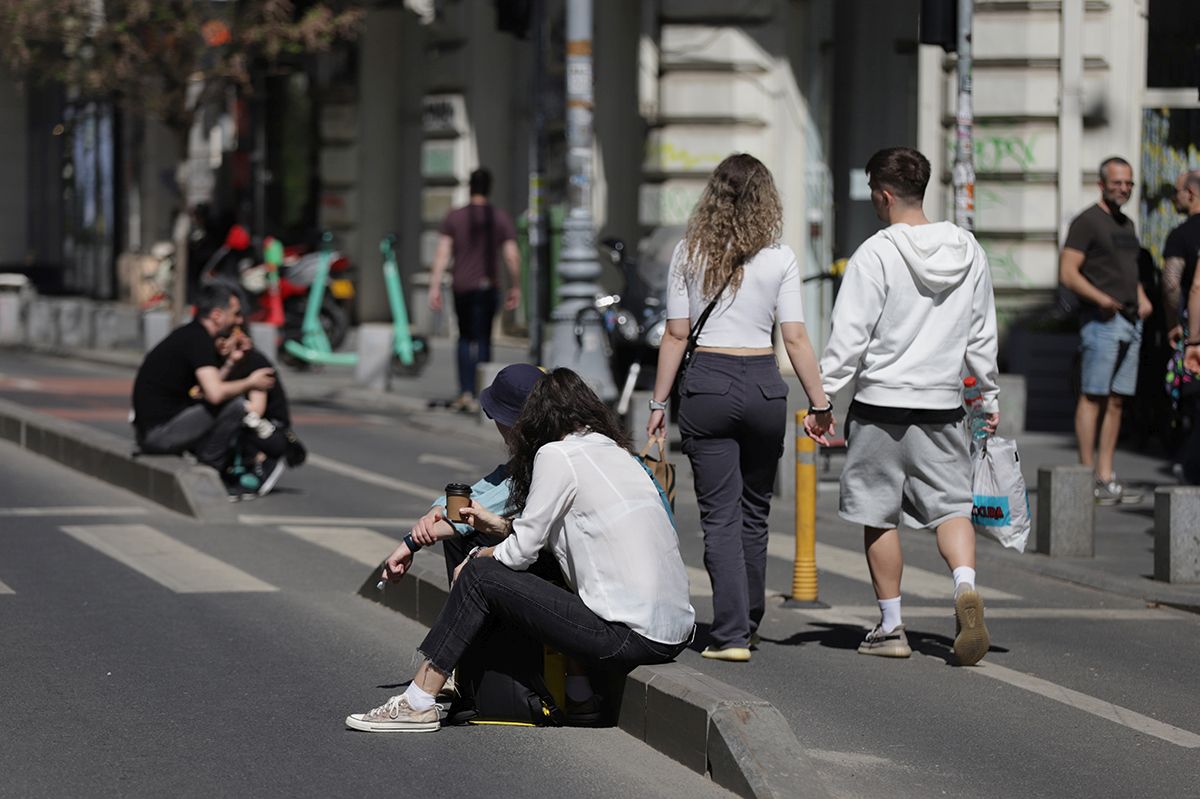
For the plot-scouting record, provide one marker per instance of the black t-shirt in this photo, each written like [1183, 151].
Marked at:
[1110, 247]
[277, 403]
[1184, 242]
[165, 378]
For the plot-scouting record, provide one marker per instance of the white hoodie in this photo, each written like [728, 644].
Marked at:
[914, 306]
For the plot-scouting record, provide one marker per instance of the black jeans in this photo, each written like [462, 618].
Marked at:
[487, 590]
[211, 437]
[475, 311]
[732, 418]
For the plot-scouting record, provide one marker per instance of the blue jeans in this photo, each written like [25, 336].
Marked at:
[1110, 350]
[475, 311]
[486, 590]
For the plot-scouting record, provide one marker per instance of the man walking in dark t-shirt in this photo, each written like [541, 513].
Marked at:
[474, 235]
[1099, 262]
[1181, 251]
[169, 417]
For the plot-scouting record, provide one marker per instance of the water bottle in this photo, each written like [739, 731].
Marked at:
[973, 400]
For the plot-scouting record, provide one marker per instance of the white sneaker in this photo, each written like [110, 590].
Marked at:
[395, 715]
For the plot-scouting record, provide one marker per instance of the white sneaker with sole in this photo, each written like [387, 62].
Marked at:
[395, 715]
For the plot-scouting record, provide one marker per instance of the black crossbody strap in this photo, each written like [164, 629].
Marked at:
[694, 334]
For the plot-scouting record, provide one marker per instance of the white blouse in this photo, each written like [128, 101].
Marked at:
[600, 514]
[770, 293]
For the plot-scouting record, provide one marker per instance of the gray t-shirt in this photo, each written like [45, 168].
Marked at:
[1110, 247]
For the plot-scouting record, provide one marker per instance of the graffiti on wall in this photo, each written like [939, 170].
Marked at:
[1169, 148]
[999, 152]
[669, 156]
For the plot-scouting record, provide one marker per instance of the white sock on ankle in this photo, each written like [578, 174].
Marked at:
[890, 608]
[579, 688]
[419, 698]
[964, 575]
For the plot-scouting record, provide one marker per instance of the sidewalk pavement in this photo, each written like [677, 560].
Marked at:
[1124, 544]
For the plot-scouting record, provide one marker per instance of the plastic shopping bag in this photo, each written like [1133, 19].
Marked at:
[1001, 507]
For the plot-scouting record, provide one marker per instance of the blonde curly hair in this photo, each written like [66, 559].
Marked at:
[738, 214]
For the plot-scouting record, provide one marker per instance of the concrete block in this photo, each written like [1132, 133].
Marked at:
[753, 752]
[266, 339]
[12, 328]
[41, 325]
[155, 327]
[631, 714]
[1177, 534]
[374, 367]
[638, 416]
[1012, 406]
[1066, 512]
[116, 327]
[677, 721]
[75, 328]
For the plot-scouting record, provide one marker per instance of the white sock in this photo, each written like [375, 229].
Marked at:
[890, 608]
[964, 579]
[418, 697]
[579, 688]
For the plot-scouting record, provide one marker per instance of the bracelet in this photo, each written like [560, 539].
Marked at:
[412, 545]
[814, 410]
[655, 405]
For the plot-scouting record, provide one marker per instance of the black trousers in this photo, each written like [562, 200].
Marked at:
[732, 418]
[211, 437]
[487, 591]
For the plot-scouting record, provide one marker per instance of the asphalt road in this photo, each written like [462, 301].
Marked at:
[1083, 694]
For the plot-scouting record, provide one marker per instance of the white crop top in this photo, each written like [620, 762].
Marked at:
[770, 292]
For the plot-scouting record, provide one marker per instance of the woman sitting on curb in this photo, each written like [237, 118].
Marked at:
[583, 495]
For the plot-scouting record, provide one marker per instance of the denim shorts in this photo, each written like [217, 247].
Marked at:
[1110, 350]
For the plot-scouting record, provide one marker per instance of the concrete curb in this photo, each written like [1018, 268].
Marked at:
[170, 481]
[740, 741]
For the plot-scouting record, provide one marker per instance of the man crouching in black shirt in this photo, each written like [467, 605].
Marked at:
[169, 417]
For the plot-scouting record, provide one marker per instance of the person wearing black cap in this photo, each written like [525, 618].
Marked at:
[502, 402]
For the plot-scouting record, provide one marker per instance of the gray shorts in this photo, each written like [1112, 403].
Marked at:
[920, 472]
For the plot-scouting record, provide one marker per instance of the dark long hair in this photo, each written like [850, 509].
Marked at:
[559, 404]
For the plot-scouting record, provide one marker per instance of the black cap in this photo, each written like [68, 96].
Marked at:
[503, 399]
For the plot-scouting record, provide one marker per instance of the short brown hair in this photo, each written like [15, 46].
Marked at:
[901, 170]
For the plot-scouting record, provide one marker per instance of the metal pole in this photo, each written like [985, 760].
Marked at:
[578, 266]
[964, 150]
[804, 570]
[538, 264]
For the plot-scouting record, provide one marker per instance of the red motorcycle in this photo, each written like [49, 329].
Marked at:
[236, 264]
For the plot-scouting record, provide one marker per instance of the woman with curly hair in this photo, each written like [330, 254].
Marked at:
[730, 282]
[577, 491]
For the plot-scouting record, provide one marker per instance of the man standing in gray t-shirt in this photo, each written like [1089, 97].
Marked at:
[1099, 262]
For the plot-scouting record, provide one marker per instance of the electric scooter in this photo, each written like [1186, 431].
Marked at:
[410, 353]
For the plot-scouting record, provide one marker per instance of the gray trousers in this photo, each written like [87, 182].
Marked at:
[732, 417]
[197, 430]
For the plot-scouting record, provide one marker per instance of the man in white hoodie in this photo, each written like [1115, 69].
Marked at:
[915, 306]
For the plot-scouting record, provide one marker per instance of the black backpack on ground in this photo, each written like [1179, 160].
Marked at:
[502, 678]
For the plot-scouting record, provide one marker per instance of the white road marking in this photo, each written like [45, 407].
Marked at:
[699, 584]
[329, 521]
[76, 510]
[448, 462]
[374, 478]
[4, 589]
[164, 560]
[1090, 704]
[853, 565]
[357, 543]
[1080, 701]
[1079, 614]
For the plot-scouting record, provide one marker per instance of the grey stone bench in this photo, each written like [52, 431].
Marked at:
[1066, 512]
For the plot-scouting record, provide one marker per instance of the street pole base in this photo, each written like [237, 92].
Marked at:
[805, 604]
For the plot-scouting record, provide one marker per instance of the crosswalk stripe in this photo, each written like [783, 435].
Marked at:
[164, 560]
[357, 543]
[373, 478]
[325, 521]
[448, 462]
[75, 510]
[853, 565]
[1027, 682]
[1029, 614]
[4, 589]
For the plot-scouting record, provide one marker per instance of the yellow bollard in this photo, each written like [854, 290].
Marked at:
[804, 572]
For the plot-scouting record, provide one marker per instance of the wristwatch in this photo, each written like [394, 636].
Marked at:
[655, 405]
